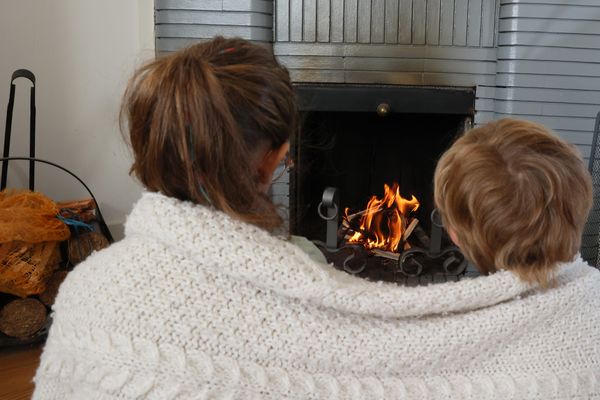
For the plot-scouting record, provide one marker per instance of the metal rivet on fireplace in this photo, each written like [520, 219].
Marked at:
[383, 109]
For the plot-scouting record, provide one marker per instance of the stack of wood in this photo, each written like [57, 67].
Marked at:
[351, 225]
[22, 315]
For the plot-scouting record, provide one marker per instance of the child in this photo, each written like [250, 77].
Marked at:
[201, 301]
[515, 197]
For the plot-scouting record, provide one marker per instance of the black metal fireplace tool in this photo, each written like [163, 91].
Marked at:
[430, 257]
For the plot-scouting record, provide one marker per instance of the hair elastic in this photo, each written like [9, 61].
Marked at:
[205, 194]
[192, 152]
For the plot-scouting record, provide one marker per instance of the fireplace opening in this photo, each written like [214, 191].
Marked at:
[358, 139]
[345, 143]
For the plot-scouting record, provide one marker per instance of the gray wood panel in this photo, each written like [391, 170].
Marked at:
[310, 21]
[548, 54]
[474, 23]
[296, 20]
[460, 22]
[560, 2]
[484, 104]
[551, 68]
[364, 21]
[378, 21]
[447, 22]
[545, 94]
[337, 20]
[575, 137]
[548, 81]
[551, 109]
[559, 123]
[391, 21]
[168, 45]
[261, 6]
[432, 22]
[419, 22]
[405, 22]
[547, 25]
[209, 31]
[213, 18]
[407, 78]
[550, 40]
[216, 5]
[375, 50]
[488, 21]
[282, 19]
[432, 32]
[323, 76]
[323, 18]
[350, 20]
[312, 62]
[563, 11]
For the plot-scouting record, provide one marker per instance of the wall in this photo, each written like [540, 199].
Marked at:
[548, 67]
[180, 23]
[82, 53]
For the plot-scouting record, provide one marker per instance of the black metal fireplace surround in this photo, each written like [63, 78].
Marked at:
[356, 138]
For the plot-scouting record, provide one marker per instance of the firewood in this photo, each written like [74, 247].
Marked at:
[409, 230]
[385, 254]
[83, 245]
[84, 204]
[22, 318]
[49, 295]
[361, 213]
[84, 210]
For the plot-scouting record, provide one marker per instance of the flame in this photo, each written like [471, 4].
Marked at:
[384, 220]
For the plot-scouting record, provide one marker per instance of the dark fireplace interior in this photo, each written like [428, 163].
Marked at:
[344, 143]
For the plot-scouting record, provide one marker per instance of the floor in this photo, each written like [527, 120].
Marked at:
[17, 367]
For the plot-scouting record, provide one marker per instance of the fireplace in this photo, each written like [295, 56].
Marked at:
[359, 138]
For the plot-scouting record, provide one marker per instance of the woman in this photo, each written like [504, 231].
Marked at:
[200, 301]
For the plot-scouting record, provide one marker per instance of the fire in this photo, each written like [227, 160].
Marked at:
[384, 221]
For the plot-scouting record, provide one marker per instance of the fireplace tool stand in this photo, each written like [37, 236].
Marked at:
[426, 257]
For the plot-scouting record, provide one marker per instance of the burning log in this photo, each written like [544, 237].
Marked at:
[351, 217]
[409, 230]
[383, 224]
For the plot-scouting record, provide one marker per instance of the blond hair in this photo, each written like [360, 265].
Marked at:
[517, 197]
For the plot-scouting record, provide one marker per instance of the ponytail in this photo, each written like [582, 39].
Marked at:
[198, 119]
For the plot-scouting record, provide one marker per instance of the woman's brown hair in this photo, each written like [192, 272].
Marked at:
[199, 118]
[517, 197]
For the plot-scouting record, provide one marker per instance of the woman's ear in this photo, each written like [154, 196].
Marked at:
[270, 161]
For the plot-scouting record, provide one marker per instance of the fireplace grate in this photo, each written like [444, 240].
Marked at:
[430, 259]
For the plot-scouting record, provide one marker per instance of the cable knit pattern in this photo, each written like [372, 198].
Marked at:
[195, 305]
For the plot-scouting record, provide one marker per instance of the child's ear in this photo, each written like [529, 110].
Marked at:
[453, 236]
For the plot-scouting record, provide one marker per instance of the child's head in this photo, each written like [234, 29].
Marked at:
[515, 197]
[210, 123]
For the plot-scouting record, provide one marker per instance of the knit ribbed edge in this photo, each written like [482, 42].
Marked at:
[162, 218]
[204, 377]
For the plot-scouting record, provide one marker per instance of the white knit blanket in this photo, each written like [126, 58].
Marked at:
[195, 305]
